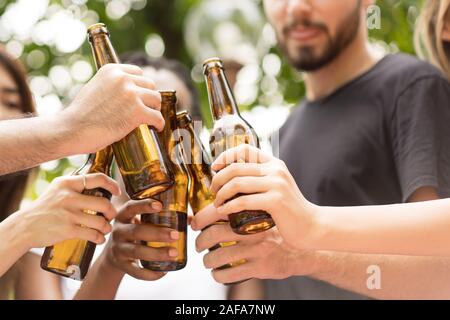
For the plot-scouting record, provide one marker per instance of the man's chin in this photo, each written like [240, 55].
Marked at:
[306, 64]
[308, 60]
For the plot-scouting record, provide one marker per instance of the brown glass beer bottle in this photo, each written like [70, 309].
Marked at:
[138, 155]
[231, 130]
[72, 258]
[175, 199]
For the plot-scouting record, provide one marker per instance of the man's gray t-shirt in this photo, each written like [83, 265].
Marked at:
[372, 142]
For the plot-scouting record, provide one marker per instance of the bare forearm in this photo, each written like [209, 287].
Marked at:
[407, 229]
[101, 283]
[400, 277]
[28, 142]
[13, 244]
[34, 283]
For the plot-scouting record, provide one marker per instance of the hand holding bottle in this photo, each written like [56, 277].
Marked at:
[125, 247]
[58, 215]
[113, 103]
[266, 254]
[265, 184]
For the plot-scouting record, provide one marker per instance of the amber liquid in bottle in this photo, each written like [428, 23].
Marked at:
[72, 258]
[198, 163]
[231, 130]
[138, 155]
[175, 199]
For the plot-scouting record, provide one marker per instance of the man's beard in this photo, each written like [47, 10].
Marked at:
[306, 59]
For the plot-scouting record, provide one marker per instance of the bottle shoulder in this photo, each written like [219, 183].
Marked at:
[179, 169]
[89, 168]
[231, 124]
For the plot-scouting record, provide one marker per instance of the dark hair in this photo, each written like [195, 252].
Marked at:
[13, 186]
[141, 59]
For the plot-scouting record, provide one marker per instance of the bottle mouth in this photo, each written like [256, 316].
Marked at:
[168, 95]
[97, 28]
[214, 62]
[184, 118]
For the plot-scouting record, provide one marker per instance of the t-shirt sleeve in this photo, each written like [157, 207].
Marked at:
[421, 136]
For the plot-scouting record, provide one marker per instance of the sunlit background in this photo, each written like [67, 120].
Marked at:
[50, 38]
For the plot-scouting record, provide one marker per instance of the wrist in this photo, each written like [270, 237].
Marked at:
[304, 259]
[102, 281]
[16, 232]
[316, 230]
[68, 136]
[107, 266]
[303, 263]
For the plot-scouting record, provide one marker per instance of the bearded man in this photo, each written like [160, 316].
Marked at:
[372, 130]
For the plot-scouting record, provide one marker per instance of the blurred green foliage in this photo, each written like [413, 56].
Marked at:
[167, 17]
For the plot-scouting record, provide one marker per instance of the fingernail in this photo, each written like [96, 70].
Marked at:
[175, 235]
[194, 225]
[215, 165]
[173, 252]
[156, 205]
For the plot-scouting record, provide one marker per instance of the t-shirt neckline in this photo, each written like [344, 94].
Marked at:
[348, 84]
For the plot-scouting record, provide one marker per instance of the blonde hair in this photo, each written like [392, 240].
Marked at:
[428, 42]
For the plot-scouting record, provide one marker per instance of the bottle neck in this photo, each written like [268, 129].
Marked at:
[221, 99]
[199, 150]
[168, 111]
[102, 50]
[98, 162]
[194, 150]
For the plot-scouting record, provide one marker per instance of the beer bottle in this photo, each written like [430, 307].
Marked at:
[72, 258]
[198, 162]
[175, 199]
[231, 130]
[139, 158]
